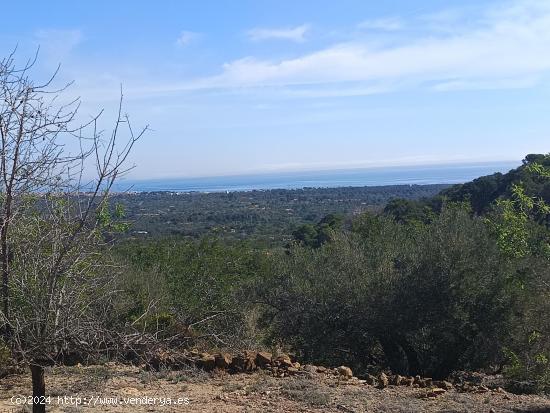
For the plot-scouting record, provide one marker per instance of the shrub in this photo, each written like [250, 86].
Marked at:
[418, 298]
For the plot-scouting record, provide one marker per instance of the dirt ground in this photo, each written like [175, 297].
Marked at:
[115, 388]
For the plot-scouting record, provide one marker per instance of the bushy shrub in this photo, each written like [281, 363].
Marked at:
[419, 298]
[190, 288]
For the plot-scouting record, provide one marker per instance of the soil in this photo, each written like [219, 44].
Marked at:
[117, 388]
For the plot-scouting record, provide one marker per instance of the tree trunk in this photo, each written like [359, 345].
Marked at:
[38, 389]
[5, 282]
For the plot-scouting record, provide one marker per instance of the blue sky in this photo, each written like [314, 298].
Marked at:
[232, 87]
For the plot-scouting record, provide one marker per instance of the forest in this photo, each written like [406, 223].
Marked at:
[267, 217]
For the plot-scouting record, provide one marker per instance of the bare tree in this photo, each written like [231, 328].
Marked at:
[54, 213]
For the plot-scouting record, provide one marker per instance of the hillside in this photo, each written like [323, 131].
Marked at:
[480, 194]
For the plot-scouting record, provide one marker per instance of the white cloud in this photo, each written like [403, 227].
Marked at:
[507, 44]
[185, 38]
[499, 48]
[56, 43]
[387, 24]
[294, 34]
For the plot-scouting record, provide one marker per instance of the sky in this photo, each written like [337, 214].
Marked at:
[248, 86]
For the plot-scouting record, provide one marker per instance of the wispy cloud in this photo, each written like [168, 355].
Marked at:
[507, 44]
[386, 24]
[56, 44]
[502, 47]
[185, 38]
[294, 34]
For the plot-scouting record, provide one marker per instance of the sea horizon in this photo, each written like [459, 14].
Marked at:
[357, 177]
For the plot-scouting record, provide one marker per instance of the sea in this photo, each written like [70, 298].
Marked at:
[380, 176]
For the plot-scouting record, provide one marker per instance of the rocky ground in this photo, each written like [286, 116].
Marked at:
[117, 388]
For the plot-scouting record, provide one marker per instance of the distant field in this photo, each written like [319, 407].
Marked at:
[264, 216]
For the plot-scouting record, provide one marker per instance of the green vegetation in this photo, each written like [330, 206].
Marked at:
[265, 217]
[428, 286]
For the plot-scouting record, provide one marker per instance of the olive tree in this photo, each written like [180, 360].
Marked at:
[56, 174]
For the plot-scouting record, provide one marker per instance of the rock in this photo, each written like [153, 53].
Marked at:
[206, 362]
[244, 362]
[310, 368]
[250, 360]
[296, 365]
[223, 360]
[407, 381]
[370, 379]
[263, 359]
[436, 392]
[396, 380]
[421, 383]
[344, 372]
[291, 371]
[446, 385]
[443, 384]
[283, 360]
[321, 369]
[383, 381]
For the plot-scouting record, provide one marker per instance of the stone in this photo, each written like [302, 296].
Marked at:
[223, 360]
[436, 392]
[250, 360]
[310, 368]
[396, 380]
[421, 383]
[283, 360]
[206, 362]
[445, 385]
[344, 372]
[321, 369]
[407, 381]
[383, 381]
[370, 379]
[263, 359]
[244, 362]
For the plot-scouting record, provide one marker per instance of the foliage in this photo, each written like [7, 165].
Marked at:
[194, 285]
[267, 218]
[428, 286]
[316, 235]
[430, 299]
[520, 226]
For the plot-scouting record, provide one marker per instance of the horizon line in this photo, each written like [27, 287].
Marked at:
[456, 163]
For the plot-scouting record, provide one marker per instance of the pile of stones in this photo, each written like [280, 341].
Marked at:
[285, 365]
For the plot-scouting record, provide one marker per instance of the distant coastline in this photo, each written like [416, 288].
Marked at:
[379, 176]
